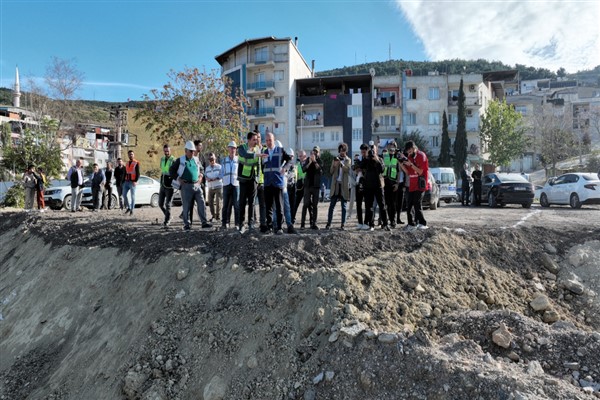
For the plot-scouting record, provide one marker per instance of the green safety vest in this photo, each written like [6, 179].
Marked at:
[391, 167]
[299, 173]
[165, 164]
[248, 164]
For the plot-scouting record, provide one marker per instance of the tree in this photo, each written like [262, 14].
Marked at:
[503, 132]
[35, 148]
[63, 80]
[561, 72]
[553, 133]
[195, 105]
[461, 143]
[444, 158]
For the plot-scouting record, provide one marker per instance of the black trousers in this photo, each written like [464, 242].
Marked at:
[247, 196]
[274, 197]
[466, 194]
[399, 202]
[360, 198]
[390, 201]
[414, 205]
[377, 195]
[311, 204]
[477, 193]
[299, 195]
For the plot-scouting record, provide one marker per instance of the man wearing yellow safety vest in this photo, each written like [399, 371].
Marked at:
[391, 173]
[249, 156]
[165, 195]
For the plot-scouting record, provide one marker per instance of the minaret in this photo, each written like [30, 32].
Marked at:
[17, 92]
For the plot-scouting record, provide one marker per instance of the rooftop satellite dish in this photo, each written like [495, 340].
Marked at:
[372, 71]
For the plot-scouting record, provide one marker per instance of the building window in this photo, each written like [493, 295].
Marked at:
[335, 136]
[279, 128]
[278, 75]
[354, 111]
[387, 120]
[410, 93]
[322, 136]
[261, 54]
[279, 101]
[434, 93]
[434, 118]
[315, 137]
[453, 95]
[357, 134]
[386, 99]
[452, 119]
[435, 141]
[411, 118]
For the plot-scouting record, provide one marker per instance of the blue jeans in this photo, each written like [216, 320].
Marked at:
[189, 192]
[128, 186]
[332, 202]
[231, 198]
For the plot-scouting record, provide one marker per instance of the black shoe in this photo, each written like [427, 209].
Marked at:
[291, 229]
[206, 225]
[186, 228]
[302, 226]
[263, 229]
[342, 228]
[327, 227]
[279, 232]
[393, 226]
[314, 227]
[386, 228]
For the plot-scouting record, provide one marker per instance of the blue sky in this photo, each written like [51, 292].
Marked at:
[126, 47]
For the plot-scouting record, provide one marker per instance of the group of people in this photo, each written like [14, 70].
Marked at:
[260, 186]
[471, 181]
[34, 183]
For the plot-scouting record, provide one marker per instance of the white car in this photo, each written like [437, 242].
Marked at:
[146, 193]
[58, 194]
[574, 189]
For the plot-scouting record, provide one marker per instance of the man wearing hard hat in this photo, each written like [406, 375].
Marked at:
[187, 170]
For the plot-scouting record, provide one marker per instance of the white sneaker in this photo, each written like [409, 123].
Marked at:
[422, 227]
[359, 226]
[365, 227]
[410, 228]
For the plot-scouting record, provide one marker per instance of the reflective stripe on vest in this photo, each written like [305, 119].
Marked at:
[248, 163]
[391, 167]
[165, 164]
[130, 170]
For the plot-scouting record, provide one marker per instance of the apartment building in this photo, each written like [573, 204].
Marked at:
[387, 107]
[266, 70]
[332, 110]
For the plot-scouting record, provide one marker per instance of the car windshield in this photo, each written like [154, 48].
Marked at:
[447, 177]
[512, 178]
[59, 182]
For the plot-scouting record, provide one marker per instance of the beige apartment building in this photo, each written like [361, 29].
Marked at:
[266, 70]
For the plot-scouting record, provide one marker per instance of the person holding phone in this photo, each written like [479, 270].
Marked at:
[416, 166]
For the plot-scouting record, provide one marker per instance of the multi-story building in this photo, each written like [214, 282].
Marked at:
[266, 70]
[387, 107]
[334, 109]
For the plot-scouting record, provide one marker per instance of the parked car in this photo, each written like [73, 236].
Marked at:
[146, 193]
[574, 189]
[58, 194]
[431, 198]
[499, 189]
[446, 180]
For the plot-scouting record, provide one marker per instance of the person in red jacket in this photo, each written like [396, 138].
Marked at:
[416, 166]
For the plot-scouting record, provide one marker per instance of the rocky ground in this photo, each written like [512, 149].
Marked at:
[101, 307]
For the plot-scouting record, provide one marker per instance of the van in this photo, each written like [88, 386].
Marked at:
[446, 180]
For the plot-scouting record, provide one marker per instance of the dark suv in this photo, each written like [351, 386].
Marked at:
[499, 189]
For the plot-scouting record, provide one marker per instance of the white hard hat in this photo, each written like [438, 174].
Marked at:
[278, 143]
[231, 144]
[291, 151]
[189, 145]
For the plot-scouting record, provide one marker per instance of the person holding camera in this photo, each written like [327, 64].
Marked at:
[416, 166]
[340, 186]
[313, 168]
[372, 168]
[466, 183]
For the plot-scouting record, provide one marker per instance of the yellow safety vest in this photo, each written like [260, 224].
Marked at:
[391, 167]
[165, 164]
[248, 164]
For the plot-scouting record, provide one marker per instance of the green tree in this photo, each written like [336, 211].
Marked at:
[503, 132]
[35, 147]
[195, 105]
[461, 143]
[444, 159]
[327, 159]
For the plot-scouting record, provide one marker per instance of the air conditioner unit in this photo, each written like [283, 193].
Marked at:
[268, 95]
[471, 88]
[469, 112]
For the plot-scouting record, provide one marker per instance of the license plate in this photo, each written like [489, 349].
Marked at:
[520, 188]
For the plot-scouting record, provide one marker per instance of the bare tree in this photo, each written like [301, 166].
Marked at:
[64, 80]
[553, 134]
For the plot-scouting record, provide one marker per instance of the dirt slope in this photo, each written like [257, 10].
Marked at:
[91, 308]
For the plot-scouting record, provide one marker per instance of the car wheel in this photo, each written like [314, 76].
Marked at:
[491, 200]
[114, 201]
[574, 201]
[544, 200]
[526, 205]
[447, 201]
[67, 202]
[154, 200]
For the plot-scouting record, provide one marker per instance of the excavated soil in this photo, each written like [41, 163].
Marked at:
[96, 307]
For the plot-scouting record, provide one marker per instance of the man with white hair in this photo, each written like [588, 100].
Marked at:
[188, 172]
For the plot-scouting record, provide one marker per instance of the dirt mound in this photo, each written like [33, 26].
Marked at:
[91, 308]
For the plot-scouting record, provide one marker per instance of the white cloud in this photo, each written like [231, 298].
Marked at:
[117, 85]
[546, 34]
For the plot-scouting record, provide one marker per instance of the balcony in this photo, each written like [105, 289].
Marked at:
[261, 112]
[384, 129]
[263, 59]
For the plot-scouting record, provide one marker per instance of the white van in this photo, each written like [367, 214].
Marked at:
[446, 179]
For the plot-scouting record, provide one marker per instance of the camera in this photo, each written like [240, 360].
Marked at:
[401, 157]
[341, 158]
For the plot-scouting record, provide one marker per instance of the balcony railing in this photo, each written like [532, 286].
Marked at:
[382, 129]
[309, 122]
[261, 112]
[386, 102]
[261, 85]
[268, 58]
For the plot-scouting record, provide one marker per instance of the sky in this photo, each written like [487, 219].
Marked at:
[125, 48]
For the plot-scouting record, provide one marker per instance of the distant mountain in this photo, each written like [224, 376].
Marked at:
[457, 66]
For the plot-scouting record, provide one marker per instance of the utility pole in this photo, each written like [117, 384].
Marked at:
[119, 113]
